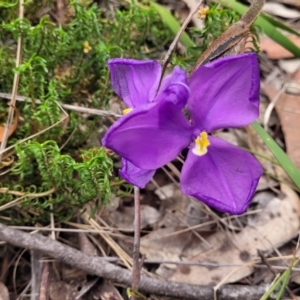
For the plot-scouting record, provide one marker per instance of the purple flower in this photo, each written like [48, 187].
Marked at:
[136, 82]
[223, 93]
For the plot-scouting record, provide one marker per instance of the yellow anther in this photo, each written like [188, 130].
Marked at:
[201, 144]
[86, 47]
[127, 110]
[203, 12]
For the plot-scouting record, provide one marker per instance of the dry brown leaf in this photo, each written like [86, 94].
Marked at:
[164, 245]
[296, 80]
[107, 291]
[172, 204]
[276, 224]
[288, 110]
[177, 206]
[60, 290]
[166, 192]
[124, 217]
[281, 10]
[88, 287]
[265, 182]
[161, 245]
[4, 294]
[13, 126]
[291, 2]
[276, 51]
[289, 65]
[62, 7]
[263, 198]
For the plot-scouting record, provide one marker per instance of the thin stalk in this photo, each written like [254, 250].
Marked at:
[172, 47]
[15, 87]
[136, 268]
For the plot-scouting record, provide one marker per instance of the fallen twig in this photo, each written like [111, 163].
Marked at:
[96, 266]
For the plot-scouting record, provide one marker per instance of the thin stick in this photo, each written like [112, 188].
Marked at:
[15, 87]
[136, 268]
[52, 223]
[171, 49]
[45, 274]
[35, 260]
[76, 108]
[96, 266]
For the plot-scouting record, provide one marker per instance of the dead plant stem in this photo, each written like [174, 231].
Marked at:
[136, 268]
[171, 49]
[44, 284]
[75, 108]
[15, 87]
[178, 35]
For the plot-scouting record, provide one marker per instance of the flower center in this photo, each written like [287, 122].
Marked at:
[127, 110]
[201, 144]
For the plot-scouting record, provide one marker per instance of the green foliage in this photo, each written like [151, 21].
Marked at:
[197, 40]
[172, 23]
[68, 62]
[286, 163]
[55, 182]
[216, 22]
[65, 61]
[279, 285]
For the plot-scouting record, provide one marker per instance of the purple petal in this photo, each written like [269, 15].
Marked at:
[225, 178]
[135, 81]
[134, 175]
[174, 88]
[150, 136]
[225, 93]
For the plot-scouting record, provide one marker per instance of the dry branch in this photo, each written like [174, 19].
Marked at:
[97, 266]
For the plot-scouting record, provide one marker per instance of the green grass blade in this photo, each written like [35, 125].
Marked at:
[279, 154]
[286, 277]
[172, 23]
[279, 24]
[283, 279]
[271, 289]
[277, 36]
[268, 28]
[6, 4]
